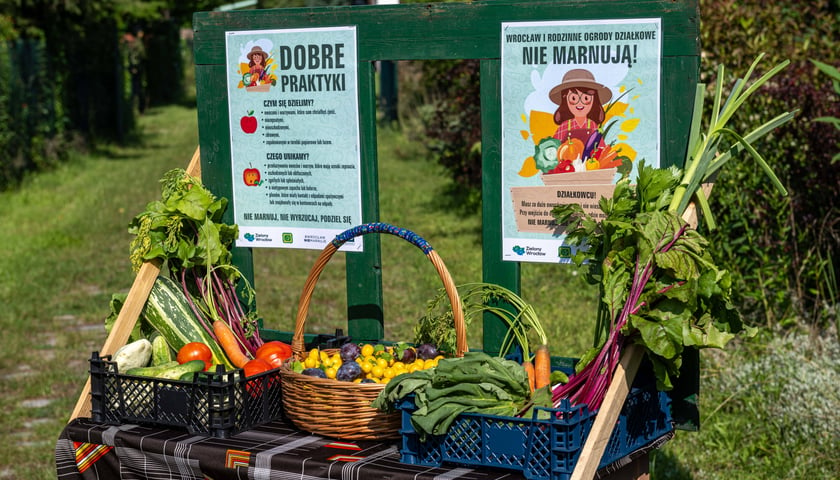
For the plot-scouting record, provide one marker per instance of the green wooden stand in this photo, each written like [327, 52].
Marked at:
[428, 32]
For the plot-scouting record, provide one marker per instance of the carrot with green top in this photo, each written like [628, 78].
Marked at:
[529, 369]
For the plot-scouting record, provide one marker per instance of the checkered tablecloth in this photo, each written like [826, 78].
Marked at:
[90, 450]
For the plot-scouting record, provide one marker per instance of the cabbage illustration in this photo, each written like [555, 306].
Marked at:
[545, 154]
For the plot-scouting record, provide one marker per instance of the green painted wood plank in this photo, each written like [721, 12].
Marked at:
[364, 269]
[494, 270]
[680, 75]
[439, 31]
[443, 30]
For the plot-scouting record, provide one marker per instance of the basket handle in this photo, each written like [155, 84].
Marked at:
[298, 346]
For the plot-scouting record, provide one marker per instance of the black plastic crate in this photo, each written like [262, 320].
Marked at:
[217, 404]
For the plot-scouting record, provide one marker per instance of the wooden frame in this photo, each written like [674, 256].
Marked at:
[433, 32]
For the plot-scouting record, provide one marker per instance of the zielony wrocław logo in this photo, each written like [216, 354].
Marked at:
[249, 237]
[528, 251]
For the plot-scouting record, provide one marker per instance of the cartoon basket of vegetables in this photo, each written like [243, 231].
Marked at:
[341, 409]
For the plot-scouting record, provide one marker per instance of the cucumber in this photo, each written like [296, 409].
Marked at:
[170, 371]
[133, 355]
[161, 353]
[151, 371]
[190, 367]
[168, 312]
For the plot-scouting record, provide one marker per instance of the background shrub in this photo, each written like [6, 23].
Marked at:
[30, 120]
[64, 75]
[784, 249]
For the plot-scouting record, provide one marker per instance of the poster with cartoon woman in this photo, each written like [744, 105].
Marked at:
[580, 107]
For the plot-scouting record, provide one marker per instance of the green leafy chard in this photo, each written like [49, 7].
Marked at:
[659, 285]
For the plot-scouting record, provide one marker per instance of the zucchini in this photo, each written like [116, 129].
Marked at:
[175, 373]
[161, 353]
[168, 312]
[133, 355]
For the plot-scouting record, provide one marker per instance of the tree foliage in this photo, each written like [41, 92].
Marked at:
[65, 77]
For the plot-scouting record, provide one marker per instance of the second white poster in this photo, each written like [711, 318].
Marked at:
[580, 105]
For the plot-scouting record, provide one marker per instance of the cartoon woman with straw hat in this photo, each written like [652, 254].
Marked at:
[580, 112]
[256, 64]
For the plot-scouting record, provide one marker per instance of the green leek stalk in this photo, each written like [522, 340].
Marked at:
[703, 158]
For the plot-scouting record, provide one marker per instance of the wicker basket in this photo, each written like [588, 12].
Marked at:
[342, 409]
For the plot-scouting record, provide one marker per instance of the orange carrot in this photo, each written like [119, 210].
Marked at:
[529, 369]
[229, 343]
[542, 367]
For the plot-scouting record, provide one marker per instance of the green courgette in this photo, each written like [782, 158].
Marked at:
[152, 370]
[168, 312]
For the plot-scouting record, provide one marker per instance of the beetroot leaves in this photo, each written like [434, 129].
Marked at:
[184, 230]
[659, 285]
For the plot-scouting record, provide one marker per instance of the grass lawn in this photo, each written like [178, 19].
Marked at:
[65, 252]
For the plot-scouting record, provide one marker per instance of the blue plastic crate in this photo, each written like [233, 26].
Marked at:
[540, 449]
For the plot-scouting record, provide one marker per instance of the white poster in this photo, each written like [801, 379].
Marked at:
[580, 105]
[295, 143]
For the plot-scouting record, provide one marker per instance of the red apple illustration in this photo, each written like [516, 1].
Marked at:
[248, 122]
[251, 177]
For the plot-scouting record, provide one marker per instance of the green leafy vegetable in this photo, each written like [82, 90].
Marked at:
[476, 382]
[185, 231]
[478, 298]
[184, 228]
[659, 284]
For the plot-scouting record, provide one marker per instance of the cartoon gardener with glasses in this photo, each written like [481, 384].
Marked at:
[256, 65]
[580, 112]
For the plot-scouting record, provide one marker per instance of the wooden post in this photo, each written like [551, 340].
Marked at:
[133, 306]
[599, 435]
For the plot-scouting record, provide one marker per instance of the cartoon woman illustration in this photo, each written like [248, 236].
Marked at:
[256, 65]
[580, 112]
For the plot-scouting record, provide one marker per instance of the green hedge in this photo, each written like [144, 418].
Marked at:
[65, 85]
[31, 126]
[785, 249]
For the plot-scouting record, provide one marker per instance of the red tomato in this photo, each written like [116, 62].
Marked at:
[274, 352]
[256, 366]
[196, 351]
